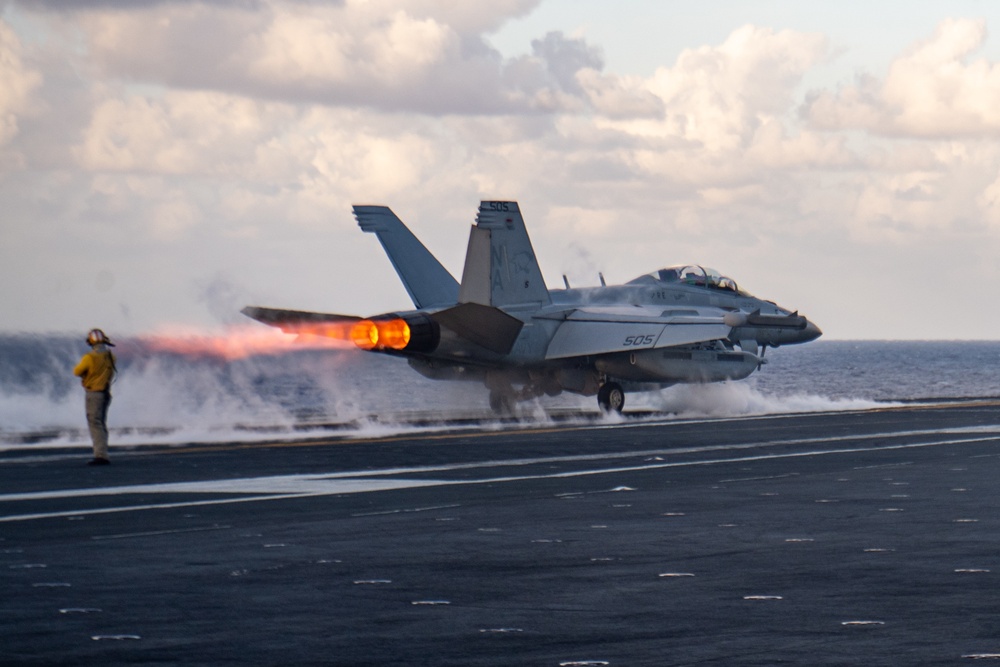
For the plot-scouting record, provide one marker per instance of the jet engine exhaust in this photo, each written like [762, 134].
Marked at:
[364, 334]
[415, 332]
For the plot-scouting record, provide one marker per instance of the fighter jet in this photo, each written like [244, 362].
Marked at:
[503, 327]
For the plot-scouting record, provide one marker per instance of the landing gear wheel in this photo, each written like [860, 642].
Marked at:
[610, 397]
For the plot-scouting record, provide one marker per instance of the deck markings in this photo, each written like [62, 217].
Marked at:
[283, 487]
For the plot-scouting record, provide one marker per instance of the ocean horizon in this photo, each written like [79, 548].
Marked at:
[212, 388]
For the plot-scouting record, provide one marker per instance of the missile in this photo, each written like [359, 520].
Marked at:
[773, 330]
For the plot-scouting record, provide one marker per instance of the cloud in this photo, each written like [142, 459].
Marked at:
[725, 116]
[295, 162]
[717, 95]
[321, 48]
[176, 132]
[564, 57]
[934, 90]
[619, 97]
[466, 18]
[230, 138]
[75, 5]
[930, 156]
[390, 55]
[18, 83]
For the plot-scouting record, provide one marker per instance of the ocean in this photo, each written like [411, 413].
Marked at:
[185, 390]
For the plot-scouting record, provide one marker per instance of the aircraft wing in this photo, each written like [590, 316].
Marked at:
[596, 330]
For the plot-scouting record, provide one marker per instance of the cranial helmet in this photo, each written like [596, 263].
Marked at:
[97, 337]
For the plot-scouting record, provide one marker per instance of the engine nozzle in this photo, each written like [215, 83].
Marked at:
[414, 332]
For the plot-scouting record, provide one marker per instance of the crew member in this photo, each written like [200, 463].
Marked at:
[96, 371]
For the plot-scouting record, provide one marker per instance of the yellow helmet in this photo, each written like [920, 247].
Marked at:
[97, 337]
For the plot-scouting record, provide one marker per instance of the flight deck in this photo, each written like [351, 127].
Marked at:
[825, 539]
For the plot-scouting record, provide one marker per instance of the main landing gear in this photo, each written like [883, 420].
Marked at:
[502, 402]
[610, 397]
[504, 398]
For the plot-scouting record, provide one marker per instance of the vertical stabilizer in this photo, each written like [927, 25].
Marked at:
[500, 265]
[426, 281]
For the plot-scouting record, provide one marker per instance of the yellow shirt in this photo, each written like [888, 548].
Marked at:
[96, 370]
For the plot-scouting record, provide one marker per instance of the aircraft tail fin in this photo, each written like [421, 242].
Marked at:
[500, 265]
[426, 281]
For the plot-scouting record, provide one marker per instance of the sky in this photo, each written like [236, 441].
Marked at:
[164, 163]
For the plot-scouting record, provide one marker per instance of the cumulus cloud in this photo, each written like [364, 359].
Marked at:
[989, 201]
[280, 150]
[934, 90]
[467, 18]
[717, 95]
[233, 137]
[176, 132]
[565, 57]
[931, 119]
[391, 55]
[723, 113]
[619, 97]
[18, 83]
[321, 49]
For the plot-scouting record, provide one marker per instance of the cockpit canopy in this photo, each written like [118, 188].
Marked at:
[692, 274]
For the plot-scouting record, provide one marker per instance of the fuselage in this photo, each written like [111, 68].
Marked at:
[753, 324]
[502, 326]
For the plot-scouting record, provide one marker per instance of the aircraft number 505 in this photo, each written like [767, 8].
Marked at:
[636, 341]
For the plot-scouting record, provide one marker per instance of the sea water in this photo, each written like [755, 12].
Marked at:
[173, 396]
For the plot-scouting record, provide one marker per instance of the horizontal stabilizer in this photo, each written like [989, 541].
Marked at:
[426, 281]
[595, 331]
[485, 326]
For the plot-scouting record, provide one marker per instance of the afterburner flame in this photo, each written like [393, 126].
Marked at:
[239, 342]
[365, 334]
[337, 330]
[371, 334]
[394, 334]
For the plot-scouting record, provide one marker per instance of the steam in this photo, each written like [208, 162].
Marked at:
[580, 266]
[33, 413]
[190, 388]
[223, 299]
[203, 389]
[737, 399]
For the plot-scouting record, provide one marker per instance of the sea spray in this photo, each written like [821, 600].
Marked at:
[195, 393]
[734, 399]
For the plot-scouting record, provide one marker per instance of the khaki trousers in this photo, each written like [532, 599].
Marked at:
[97, 417]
